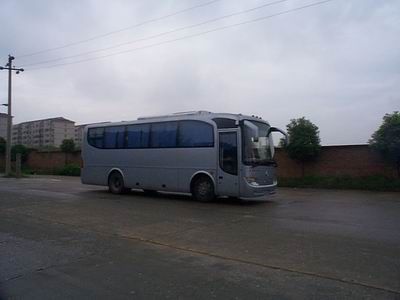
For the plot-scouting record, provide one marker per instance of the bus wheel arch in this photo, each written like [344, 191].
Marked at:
[202, 187]
[116, 183]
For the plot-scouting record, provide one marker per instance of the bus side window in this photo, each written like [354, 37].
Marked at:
[114, 137]
[195, 134]
[138, 136]
[228, 152]
[163, 135]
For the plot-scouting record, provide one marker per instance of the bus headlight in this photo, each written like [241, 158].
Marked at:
[251, 180]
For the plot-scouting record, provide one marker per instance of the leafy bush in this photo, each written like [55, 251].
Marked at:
[69, 170]
[19, 149]
[68, 146]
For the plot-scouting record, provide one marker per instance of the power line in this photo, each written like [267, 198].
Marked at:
[10, 68]
[157, 35]
[189, 36]
[119, 30]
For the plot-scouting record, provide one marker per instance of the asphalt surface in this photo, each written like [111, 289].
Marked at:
[63, 240]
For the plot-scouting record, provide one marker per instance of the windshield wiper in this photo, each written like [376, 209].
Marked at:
[267, 162]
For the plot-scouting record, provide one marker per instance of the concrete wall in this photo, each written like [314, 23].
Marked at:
[351, 160]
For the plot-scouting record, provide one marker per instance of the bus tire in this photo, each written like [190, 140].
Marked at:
[203, 189]
[116, 183]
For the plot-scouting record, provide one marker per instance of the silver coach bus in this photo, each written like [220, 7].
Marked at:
[202, 153]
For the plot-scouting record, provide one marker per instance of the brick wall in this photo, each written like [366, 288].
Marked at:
[49, 161]
[350, 160]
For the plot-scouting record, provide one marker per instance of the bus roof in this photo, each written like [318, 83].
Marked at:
[190, 115]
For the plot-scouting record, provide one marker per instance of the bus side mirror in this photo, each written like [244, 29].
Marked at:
[285, 136]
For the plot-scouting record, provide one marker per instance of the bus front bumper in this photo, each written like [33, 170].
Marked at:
[254, 191]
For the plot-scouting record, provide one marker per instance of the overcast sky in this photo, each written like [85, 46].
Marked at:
[337, 64]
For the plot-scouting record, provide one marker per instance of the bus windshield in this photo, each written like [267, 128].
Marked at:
[257, 152]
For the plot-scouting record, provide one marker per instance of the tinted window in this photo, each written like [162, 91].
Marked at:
[228, 152]
[195, 134]
[225, 123]
[256, 151]
[95, 137]
[138, 136]
[163, 135]
[114, 137]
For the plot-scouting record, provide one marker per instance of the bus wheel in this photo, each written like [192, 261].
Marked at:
[203, 189]
[116, 183]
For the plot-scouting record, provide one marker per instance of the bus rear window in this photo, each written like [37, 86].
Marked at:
[95, 137]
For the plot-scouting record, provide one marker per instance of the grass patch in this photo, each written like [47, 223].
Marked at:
[14, 175]
[27, 171]
[69, 170]
[373, 183]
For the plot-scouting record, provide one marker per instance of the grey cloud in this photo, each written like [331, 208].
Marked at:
[336, 64]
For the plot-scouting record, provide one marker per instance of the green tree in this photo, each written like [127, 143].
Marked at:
[2, 145]
[386, 140]
[19, 149]
[67, 145]
[304, 142]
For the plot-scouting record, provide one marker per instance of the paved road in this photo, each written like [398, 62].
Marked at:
[60, 239]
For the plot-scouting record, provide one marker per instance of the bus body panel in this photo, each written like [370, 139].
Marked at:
[169, 169]
[172, 169]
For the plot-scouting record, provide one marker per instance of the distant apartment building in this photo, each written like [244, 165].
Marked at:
[3, 125]
[79, 135]
[44, 133]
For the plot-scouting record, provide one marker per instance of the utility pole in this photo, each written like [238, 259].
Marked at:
[10, 68]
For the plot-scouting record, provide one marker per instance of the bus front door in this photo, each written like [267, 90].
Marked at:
[228, 180]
